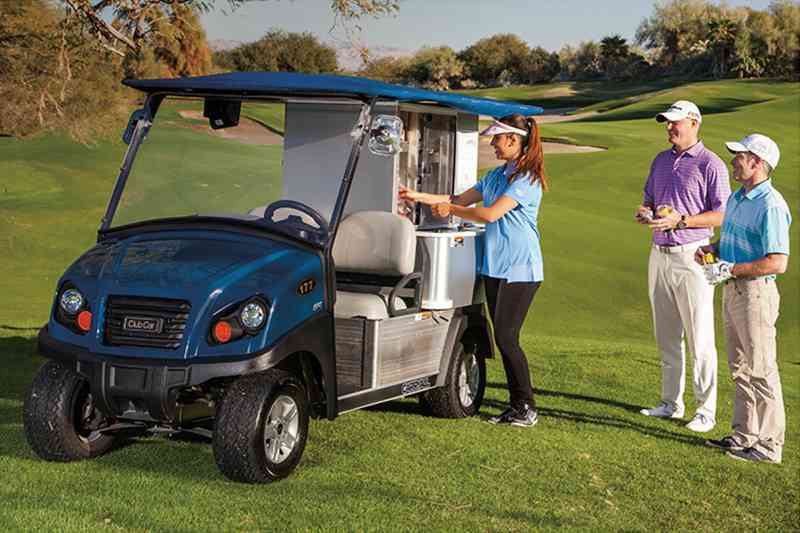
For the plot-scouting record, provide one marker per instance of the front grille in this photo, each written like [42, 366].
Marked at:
[173, 313]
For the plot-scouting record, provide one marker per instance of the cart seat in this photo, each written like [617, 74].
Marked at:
[377, 245]
[359, 304]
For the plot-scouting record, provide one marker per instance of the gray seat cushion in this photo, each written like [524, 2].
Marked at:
[367, 305]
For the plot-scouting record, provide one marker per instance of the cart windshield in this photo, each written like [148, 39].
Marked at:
[184, 168]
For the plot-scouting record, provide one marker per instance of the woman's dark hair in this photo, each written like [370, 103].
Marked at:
[532, 159]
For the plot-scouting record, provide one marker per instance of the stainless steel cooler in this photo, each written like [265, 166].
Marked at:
[448, 259]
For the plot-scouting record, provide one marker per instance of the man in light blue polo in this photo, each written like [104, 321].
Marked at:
[753, 249]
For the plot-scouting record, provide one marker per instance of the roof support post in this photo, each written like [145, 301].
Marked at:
[143, 124]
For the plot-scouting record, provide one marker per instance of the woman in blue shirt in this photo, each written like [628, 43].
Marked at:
[512, 262]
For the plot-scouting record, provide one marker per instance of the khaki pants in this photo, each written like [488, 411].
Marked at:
[683, 313]
[750, 308]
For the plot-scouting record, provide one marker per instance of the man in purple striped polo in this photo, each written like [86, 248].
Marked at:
[684, 199]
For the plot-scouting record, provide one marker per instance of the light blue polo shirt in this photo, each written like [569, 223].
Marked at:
[512, 249]
[756, 224]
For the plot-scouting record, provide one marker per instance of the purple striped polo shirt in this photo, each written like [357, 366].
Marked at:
[692, 182]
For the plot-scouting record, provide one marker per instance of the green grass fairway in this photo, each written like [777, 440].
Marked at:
[575, 93]
[592, 464]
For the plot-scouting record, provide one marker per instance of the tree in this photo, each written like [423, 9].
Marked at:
[51, 79]
[539, 66]
[488, 58]
[588, 62]
[389, 69]
[614, 52]
[567, 58]
[179, 44]
[280, 51]
[721, 37]
[435, 68]
[785, 62]
[673, 28]
[124, 27]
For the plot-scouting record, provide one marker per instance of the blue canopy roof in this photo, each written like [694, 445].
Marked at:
[287, 84]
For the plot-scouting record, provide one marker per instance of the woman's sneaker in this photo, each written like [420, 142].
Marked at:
[522, 416]
[525, 417]
[504, 417]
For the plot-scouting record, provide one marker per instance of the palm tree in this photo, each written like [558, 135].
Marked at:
[721, 36]
[614, 51]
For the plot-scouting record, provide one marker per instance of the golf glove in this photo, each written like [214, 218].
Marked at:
[718, 272]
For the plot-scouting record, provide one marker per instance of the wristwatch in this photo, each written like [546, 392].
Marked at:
[681, 223]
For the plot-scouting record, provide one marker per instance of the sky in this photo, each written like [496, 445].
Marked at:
[455, 23]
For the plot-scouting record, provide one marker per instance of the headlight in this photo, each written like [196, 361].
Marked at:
[71, 301]
[253, 315]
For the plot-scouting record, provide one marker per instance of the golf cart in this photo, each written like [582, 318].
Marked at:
[240, 286]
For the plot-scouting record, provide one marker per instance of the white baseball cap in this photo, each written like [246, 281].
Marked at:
[757, 144]
[680, 110]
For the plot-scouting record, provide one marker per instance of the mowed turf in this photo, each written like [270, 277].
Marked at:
[592, 463]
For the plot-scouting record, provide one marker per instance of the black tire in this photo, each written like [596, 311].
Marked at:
[61, 419]
[248, 412]
[451, 400]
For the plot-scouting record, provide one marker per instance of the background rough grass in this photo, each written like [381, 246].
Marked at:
[591, 463]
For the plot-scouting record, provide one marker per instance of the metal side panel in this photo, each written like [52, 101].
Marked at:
[349, 354]
[410, 346]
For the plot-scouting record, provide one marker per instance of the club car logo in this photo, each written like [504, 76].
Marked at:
[306, 286]
[410, 387]
[143, 324]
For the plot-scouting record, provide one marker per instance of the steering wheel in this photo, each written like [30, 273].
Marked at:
[297, 224]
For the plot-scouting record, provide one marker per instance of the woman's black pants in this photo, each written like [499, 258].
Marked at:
[508, 306]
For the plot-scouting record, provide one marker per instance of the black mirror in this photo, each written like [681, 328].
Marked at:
[222, 113]
[136, 116]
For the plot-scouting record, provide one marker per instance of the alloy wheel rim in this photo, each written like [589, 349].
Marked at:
[281, 430]
[469, 377]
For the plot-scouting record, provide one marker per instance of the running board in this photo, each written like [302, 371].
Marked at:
[366, 398]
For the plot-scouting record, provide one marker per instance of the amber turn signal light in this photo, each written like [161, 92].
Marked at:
[84, 320]
[222, 332]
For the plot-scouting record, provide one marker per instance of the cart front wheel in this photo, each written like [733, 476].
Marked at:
[261, 427]
[62, 421]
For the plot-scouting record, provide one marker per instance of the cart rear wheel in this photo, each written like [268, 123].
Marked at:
[62, 422]
[261, 427]
[462, 393]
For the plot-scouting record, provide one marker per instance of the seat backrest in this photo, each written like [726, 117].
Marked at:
[375, 242]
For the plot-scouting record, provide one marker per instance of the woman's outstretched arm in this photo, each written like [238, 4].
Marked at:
[468, 197]
[477, 214]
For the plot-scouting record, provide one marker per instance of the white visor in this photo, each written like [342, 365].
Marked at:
[498, 127]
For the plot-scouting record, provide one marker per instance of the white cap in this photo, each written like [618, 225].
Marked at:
[757, 144]
[498, 127]
[680, 110]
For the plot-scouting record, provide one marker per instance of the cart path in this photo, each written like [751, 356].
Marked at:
[248, 131]
[486, 157]
[551, 116]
